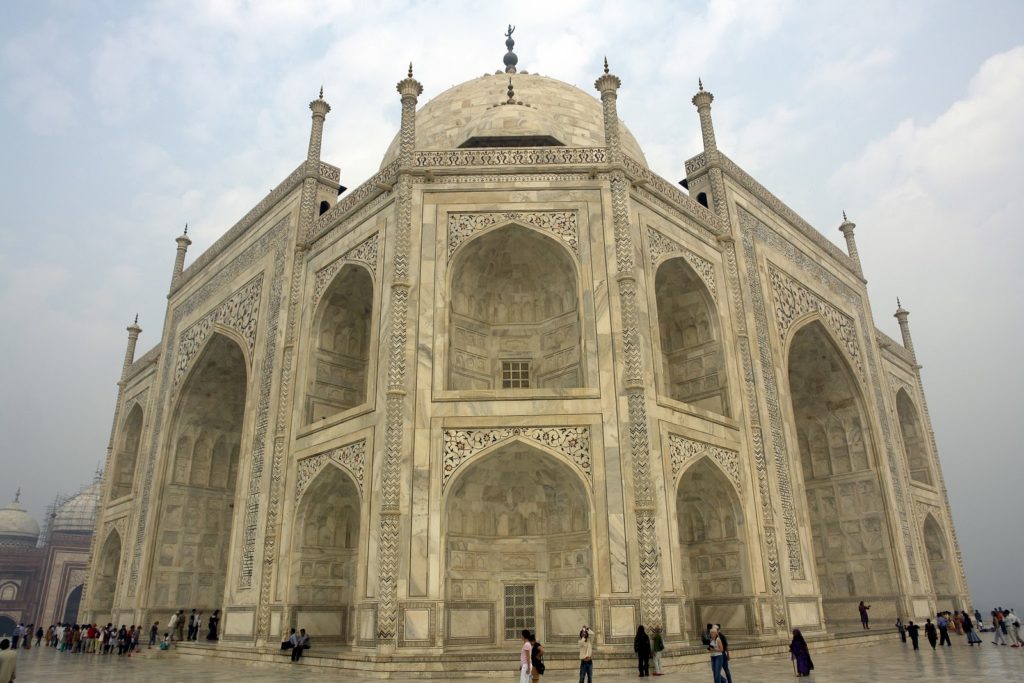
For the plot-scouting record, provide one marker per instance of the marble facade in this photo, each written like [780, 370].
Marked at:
[513, 380]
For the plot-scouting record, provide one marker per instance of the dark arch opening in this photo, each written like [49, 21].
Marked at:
[912, 432]
[127, 454]
[72, 604]
[324, 207]
[702, 198]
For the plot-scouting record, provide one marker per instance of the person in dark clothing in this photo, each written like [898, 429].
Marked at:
[902, 630]
[943, 623]
[800, 654]
[972, 637]
[536, 659]
[931, 633]
[642, 648]
[212, 624]
[725, 655]
[914, 631]
[863, 609]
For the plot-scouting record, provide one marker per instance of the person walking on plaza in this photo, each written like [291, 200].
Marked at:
[997, 632]
[901, 629]
[39, 635]
[913, 630]
[725, 654]
[930, 633]
[642, 648]
[16, 636]
[863, 609]
[657, 645]
[943, 623]
[586, 655]
[800, 654]
[8, 661]
[154, 630]
[717, 651]
[179, 626]
[972, 637]
[536, 658]
[1013, 629]
[524, 658]
[958, 623]
[172, 625]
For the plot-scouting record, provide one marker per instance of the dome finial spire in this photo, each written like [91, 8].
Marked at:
[410, 69]
[511, 92]
[17, 495]
[606, 64]
[510, 57]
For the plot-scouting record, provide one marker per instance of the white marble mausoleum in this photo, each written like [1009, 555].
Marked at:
[516, 379]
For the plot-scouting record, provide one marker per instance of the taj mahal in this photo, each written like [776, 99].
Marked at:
[518, 380]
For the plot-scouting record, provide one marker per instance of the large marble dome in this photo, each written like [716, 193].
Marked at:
[544, 112]
[78, 514]
[17, 528]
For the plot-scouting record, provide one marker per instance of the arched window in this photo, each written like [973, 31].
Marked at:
[852, 548]
[913, 439]
[324, 207]
[940, 564]
[127, 454]
[692, 360]
[514, 317]
[8, 591]
[340, 353]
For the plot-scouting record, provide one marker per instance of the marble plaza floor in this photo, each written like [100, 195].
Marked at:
[874, 663]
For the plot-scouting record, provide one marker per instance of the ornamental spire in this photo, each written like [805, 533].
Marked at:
[510, 58]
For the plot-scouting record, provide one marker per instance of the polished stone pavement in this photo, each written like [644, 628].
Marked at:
[875, 663]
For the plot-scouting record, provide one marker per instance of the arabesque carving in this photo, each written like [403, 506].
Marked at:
[661, 245]
[352, 457]
[561, 224]
[364, 252]
[683, 450]
[459, 445]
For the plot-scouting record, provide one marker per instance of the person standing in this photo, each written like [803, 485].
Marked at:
[16, 636]
[8, 661]
[191, 625]
[39, 635]
[902, 630]
[725, 654]
[930, 634]
[800, 654]
[586, 655]
[997, 632]
[913, 630]
[154, 630]
[657, 645]
[211, 625]
[863, 609]
[642, 648]
[717, 651]
[524, 657]
[943, 623]
[536, 658]
[1013, 628]
[179, 626]
[172, 625]
[972, 637]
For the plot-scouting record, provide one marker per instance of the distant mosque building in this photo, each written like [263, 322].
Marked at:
[518, 380]
[42, 572]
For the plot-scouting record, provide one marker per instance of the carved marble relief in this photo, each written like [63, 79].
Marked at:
[562, 224]
[683, 450]
[240, 312]
[459, 445]
[661, 245]
[352, 458]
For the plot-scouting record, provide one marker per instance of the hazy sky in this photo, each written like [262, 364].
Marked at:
[123, 120]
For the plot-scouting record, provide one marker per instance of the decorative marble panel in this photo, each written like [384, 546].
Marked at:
[561, 224]
[661, 245]
[793, 300]
[240, 312]
[352, 457]
[683, 450]
[510, 157]
[461, 444]
[364, 252]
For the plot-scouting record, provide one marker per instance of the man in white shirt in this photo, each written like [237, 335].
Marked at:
[172, 625]
[8, 661]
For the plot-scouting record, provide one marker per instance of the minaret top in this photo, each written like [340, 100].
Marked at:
[510, 58]
[183, 238]
[900, 311]
[409, 86]
[607, 82]
[703, 97]
[134, 327]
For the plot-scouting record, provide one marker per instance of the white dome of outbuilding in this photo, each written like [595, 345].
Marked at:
[545, 108]
[78, 514]
[17, 528]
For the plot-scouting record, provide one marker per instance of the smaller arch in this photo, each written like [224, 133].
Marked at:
[325, 206]
[8, 591]
[914, 442]
[693, 367]
[339, 355]
[72, 604]
[107, 572]
[940, 562]
[127, 454]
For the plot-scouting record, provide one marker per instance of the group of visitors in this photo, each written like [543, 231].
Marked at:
[93, 639]
[1005, 626]
[648, 648]
[531, 658]
[194, 621]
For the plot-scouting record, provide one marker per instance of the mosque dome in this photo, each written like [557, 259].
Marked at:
[78, 514]
[545, 112]
[17, 528]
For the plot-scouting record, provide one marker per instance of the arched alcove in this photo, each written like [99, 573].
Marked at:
[692, 358]
[713, 550]
[514, 313]
[8, 592]
[102, 591]
[913, 439]
[325, 554]
[7, 626]
[194, 527]
[72, 604]
[518, 522]
[127, 454]
[940, 563]
[852, 550]
[340, 350]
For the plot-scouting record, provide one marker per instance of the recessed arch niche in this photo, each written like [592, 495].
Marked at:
[715, 564]
[912, 433]
[852, 547]
[127, 454]
[514, 319]
[692, 358]
[340, 352]
[194, 528]
[325, 551]
[102, 591]
[940, 563]
[518, 527]
[72, 604]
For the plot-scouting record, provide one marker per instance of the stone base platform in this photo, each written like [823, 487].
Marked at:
[488, 663]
